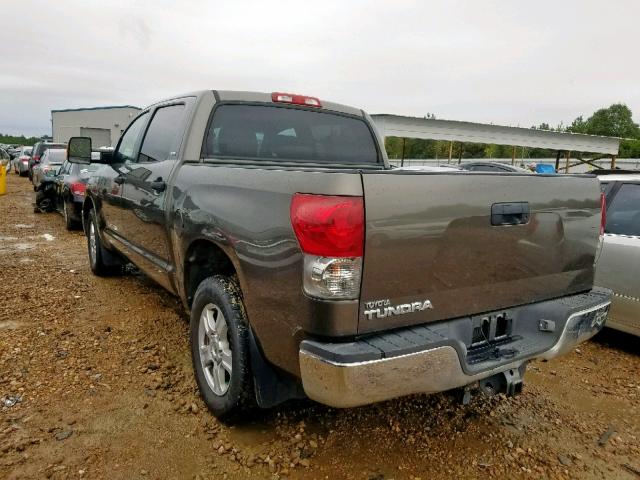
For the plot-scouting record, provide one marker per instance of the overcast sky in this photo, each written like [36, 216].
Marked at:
[507, 62]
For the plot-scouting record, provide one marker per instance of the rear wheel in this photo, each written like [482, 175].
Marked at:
[102, 262]
[220, 348]
[69, 221]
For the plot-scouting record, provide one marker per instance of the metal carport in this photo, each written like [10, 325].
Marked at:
[457, 131]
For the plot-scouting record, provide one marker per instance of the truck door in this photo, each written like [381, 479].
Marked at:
[108, 187]
[145, 190]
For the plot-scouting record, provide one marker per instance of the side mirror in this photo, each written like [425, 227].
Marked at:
[106, 156]
[79, 150]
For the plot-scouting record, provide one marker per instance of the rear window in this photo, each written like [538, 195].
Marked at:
[268, 133]
[47, 146]
[56, 156]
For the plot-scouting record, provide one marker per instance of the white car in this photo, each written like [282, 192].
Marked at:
[619, 261]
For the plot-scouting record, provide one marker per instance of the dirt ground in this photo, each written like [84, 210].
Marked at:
[96, 382]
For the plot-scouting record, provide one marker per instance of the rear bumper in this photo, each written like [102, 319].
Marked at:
[426, 360]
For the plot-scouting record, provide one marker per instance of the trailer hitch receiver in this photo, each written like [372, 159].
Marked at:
[508, 382]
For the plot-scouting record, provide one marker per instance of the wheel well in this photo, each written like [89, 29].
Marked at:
[204, 259]
[86, 208]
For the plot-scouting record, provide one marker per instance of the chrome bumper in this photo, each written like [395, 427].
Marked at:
[428, 371]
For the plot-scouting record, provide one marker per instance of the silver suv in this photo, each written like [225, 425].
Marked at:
[619, 263]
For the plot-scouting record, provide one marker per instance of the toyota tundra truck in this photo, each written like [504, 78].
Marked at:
[311, 268]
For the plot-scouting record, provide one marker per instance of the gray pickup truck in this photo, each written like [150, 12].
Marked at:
[312, 268]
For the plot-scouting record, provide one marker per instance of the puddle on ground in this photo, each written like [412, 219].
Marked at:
[48, 237]
[9, 325]
[24, 246]
[8, 239]
[22, 225]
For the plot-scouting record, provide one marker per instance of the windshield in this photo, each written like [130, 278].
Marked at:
[276, 133]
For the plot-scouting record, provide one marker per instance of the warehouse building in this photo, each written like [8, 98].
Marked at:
[103, 124]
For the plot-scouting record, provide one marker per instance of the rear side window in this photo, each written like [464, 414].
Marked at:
[266, 133]
[623, 215]
[164, 135]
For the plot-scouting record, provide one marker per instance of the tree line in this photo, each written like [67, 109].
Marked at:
[18, 140]
[613, 121]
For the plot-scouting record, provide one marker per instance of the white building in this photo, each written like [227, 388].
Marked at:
[103, 124]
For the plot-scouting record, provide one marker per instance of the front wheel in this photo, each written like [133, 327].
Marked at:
[102, 262]
[220, 348]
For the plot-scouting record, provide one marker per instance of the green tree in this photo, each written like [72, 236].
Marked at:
[18, 140]
[613, 121]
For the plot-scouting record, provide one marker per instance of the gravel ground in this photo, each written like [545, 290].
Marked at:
[96, 382]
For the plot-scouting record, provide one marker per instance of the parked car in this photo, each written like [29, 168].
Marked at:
[69, 187]
[620, 258]
[494, 167]
[258, 210]
[48, 165]
[21, 161]
[37, 152]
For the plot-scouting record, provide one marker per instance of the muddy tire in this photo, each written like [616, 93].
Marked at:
[69, 222]
[43, 204]
[219, 334]
[102, 262]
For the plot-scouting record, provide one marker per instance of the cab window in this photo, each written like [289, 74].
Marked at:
[126, 148]
[164, 134]
[623, 215]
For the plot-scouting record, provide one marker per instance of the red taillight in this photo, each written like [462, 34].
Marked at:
[36, 158]
[78, 188]
[603, 214]
[330, 226]
[25, 161]
[295, 99]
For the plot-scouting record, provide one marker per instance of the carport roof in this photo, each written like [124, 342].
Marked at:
[434, 129]
[108, 107]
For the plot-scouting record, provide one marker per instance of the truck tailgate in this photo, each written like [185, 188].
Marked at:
[441, 246]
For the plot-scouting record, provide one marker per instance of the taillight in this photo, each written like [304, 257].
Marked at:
[36, 158]
[603, 224]
[78, 188]
[603, 213]
[330, 231]
[295, 99]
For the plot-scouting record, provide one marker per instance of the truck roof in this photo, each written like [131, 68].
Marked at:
[243, 96]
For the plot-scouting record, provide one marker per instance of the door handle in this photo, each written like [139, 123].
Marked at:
[158, 185]
[515, 213]
[119, 180]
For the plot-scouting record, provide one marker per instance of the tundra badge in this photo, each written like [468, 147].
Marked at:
[383, 308]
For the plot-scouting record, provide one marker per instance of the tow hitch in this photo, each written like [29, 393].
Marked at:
[508, 382]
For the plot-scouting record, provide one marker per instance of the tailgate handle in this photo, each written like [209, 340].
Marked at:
[513, 213]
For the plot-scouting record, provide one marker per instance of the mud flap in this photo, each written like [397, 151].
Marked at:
[271, 386]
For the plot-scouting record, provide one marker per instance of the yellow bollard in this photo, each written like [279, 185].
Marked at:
[3, 179]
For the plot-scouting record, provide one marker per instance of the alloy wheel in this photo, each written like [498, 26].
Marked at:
[214, 348]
